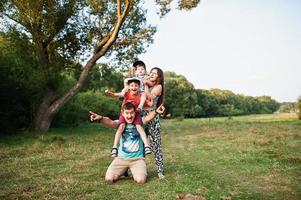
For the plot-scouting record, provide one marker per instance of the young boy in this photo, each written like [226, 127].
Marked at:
[133, 96]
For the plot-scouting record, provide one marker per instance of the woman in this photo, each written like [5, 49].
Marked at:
[154, 88]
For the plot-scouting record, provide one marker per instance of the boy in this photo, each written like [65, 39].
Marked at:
[131, 147]
[134, 96]
[138, 71]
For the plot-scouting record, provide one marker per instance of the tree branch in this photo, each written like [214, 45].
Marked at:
[118, 8]
[59, 26]
[15, 20]
[102, 42]
[106, 43]
[117, 27]
[126, 9]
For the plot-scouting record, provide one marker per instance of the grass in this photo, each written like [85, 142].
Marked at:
[249, 157]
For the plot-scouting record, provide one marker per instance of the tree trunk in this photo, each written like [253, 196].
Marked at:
[51, 104]
[42, 119]
[43, 122]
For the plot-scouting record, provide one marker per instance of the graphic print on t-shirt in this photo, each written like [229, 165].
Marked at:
[130, 140]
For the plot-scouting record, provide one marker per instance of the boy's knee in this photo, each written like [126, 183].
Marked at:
[140, 179]
[110, 178]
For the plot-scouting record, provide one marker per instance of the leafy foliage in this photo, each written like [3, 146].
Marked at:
[58, 33]
[299, 107]
[77, 109]
[43, 42]
[181, 99]
[165, 6]
[105, 77]
[20, 88]
[287, 107]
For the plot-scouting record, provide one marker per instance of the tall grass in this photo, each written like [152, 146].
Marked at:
[252, 157]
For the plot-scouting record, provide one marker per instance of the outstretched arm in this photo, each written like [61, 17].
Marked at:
[104, 120]
[114, 94]
[150, 116]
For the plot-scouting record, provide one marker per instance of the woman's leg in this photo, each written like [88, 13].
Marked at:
[155, 140]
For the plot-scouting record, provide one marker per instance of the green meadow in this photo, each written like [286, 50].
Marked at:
[248, 157]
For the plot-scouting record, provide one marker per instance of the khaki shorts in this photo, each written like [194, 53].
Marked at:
[120, 165]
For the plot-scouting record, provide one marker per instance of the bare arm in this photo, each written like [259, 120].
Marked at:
[125, 83]
[114, 94]
[104, 120]
[151, 115]
[156, 91]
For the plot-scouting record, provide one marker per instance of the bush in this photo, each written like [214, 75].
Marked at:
[77, 109]
[177, 112]
[299, 107]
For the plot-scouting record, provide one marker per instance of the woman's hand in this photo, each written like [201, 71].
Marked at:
[160, 110]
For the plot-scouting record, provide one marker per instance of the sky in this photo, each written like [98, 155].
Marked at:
[251, 47]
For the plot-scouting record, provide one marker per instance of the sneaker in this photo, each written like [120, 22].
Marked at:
[114, 152]
[147, 150]
[161, 176]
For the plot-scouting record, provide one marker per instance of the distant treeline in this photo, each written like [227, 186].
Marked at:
[181, 99]
[21, 96]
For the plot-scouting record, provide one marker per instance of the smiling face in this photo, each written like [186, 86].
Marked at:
[129, 115]
[134, 87]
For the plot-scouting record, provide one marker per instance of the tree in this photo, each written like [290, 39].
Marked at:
[299, 107]
[60, 30]
[58, 37]
[287, 107]
[180, 97]
[102, 75]
[19, 82]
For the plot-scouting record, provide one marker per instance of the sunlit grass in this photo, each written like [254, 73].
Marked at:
[249, 157]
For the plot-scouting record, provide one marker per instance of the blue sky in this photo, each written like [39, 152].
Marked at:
[251, 47]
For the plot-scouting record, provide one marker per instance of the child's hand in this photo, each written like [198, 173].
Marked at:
[145, 81]
[109, 93]
[145, 78]
[148, 83]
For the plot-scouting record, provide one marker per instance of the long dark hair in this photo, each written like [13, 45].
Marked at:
[161, 81]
